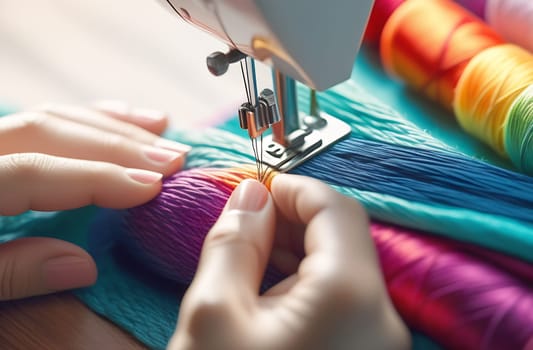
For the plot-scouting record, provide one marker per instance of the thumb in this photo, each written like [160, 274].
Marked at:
[35, 266]
[237, 248]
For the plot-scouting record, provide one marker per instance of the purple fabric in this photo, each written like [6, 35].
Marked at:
[168, 232]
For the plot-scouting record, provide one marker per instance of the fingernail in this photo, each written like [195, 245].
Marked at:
[172, 145]
[145, 177]
[67, 272]
[160, 155]
[151, 115]
[250, 195]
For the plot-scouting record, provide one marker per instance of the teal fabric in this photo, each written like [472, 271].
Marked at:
[147, 306]
[6, 110]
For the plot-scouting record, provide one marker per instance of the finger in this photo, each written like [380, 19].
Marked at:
[285, 260]
[43, 182]
[35, 266]
[152, 120]
[37, 132]
[280, 288]
[288, 248]
[141, 125]
[337, 226]
[236, 250]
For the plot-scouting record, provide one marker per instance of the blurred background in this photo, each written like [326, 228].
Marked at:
[79, 51]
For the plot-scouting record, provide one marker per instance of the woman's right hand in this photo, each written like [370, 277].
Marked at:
[334, 297]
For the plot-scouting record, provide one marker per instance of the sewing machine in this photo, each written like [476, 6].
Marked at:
[312, 41]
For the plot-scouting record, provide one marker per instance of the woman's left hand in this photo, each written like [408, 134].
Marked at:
[64, 157]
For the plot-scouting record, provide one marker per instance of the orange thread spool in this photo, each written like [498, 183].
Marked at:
[488, 88]
[428, 43]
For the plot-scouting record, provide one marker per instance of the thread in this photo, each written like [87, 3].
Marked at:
[429, 43]
[381, 12]
[424, 176]
[167, 233]
[518, 131]
[434, 284]
[459, 301]
[371, 120]
[125, 297]
[488, 87]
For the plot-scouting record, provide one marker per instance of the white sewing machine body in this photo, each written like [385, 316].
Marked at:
[312, 41]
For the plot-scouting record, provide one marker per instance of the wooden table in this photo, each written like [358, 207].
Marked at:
[58, 322]
[79, 51]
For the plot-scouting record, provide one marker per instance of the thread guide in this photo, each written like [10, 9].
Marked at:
[302, 135]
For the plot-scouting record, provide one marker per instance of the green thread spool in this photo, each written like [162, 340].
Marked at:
[518, 131]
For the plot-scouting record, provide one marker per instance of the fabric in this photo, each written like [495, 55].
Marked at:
[147, 306]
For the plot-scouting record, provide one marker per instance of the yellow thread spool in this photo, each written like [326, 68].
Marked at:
[489, 85]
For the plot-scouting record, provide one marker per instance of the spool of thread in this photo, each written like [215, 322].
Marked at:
[429, 43]
[490, 84]
[518, 131]
[459, 301]
[378, 17]
[512, 19]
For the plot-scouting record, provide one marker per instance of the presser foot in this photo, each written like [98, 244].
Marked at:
[316, 135]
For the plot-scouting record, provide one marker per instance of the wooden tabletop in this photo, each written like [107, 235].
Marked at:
[79, 51]
[58, 322]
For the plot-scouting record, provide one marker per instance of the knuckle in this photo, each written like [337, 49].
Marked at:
[349, 294]
[222, 235]
[27, 166]
[32, 122]
[206, 310]
[225, 236]
[115, 143]
[134, 132]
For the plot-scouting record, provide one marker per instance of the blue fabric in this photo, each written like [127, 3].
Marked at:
[146, 305]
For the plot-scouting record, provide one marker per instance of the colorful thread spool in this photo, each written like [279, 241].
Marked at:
[512, 19]
[456, 299]
[378, 17]
[488, 87]
[429, 43]
[518, 131]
